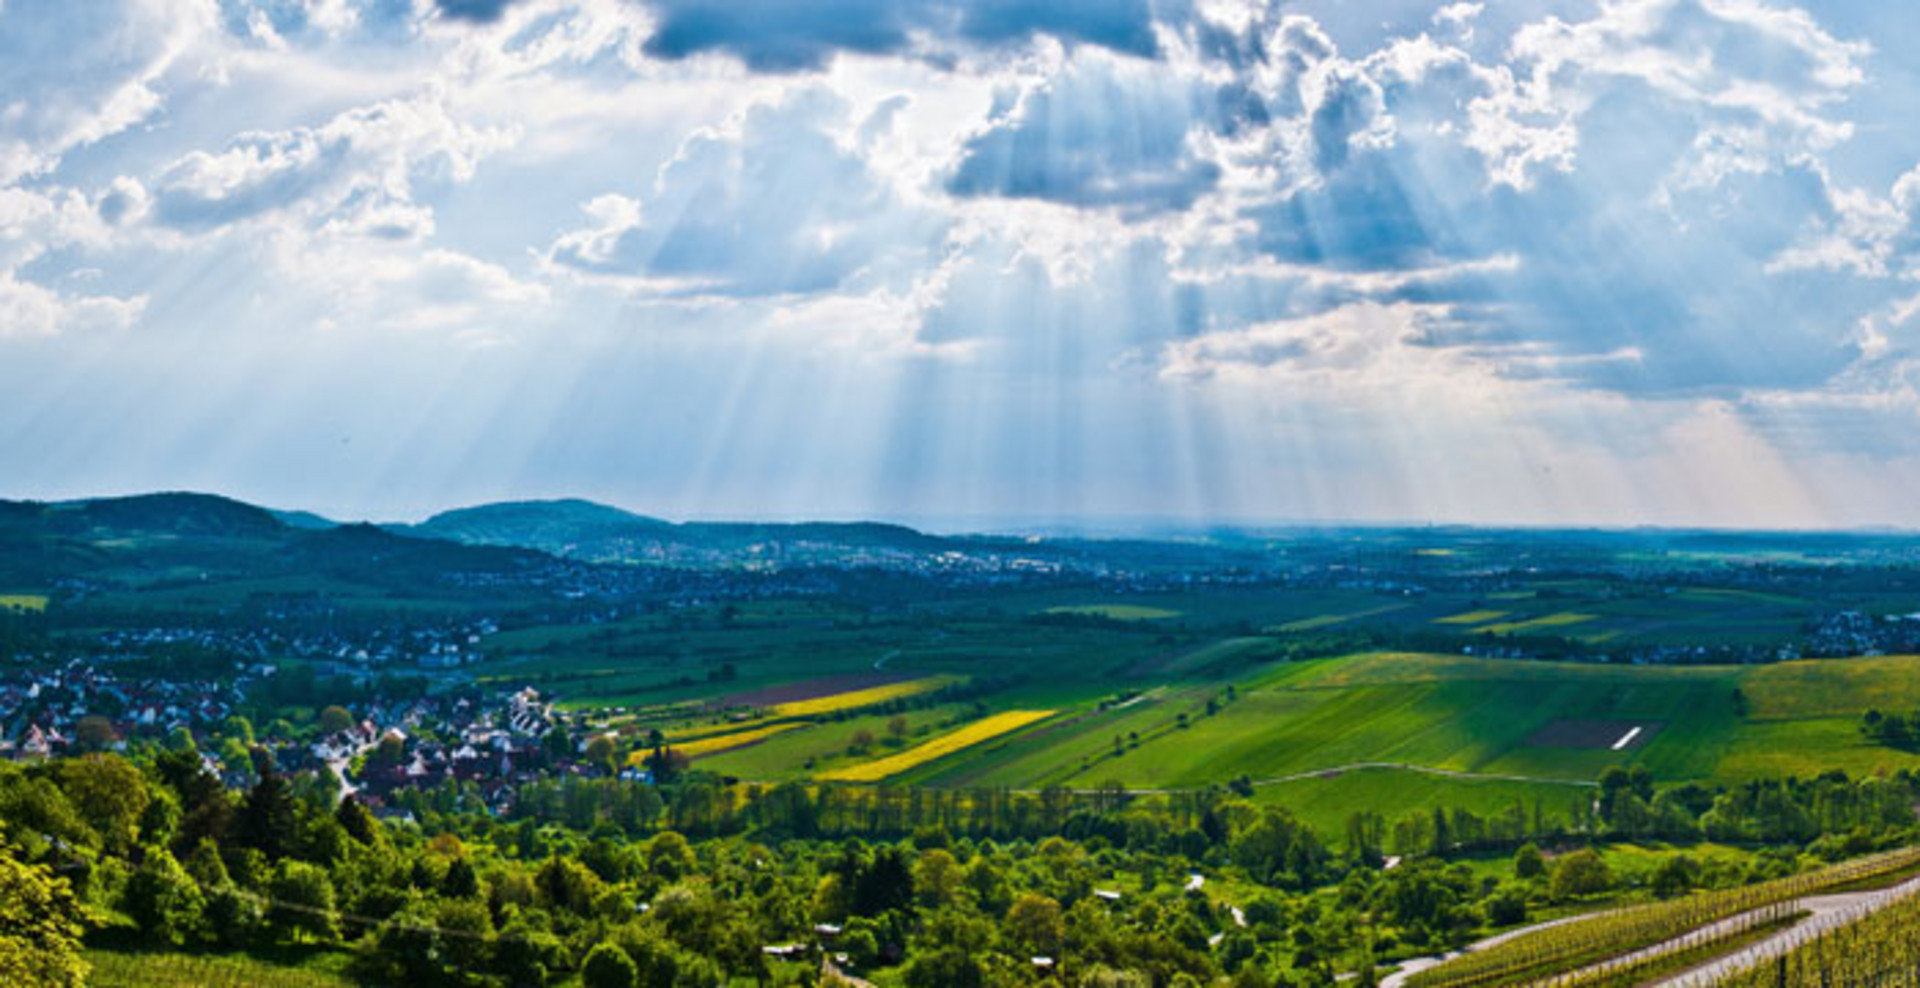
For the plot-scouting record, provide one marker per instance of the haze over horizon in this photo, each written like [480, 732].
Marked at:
[1544, 263]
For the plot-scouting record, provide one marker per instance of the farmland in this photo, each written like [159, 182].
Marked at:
[151, 969]
[1189, 689]
[938, 748]
[1441, 699]
[722, 742]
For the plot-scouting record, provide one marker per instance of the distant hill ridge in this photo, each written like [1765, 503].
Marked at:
[585, 529]
[570, 528]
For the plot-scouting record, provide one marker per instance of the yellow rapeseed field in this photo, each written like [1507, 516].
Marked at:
[940, 747]
[23, 602]
[1559, 620]
[1473, 617]
[718, 742]
[857, 698]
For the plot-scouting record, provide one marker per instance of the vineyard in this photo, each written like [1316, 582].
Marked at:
[1877, 947]
[1572, 947]
[114, 969]
[1702, 945]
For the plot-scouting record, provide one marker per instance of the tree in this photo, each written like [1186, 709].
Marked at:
[1580, 873]
[945, 968]
[669, 856]
[1528, 863]
[1275, 847]
[937, 878]
[354, 818]
[40, 925]
[205, 866]
[110, 795]
[233, 916]
[885, 884]
[603, 753]
[303, 906]
[164, 901]
[607, 966]
[897, 728]
[335, 719]
[461, 882]
[1034, 925]
[94, 733]
[181, 739]
[266, 819]
[1675, 876]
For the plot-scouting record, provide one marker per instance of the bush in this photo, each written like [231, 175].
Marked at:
[1579, 874]
[608, 966]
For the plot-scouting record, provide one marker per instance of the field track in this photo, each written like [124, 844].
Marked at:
[1322, 773]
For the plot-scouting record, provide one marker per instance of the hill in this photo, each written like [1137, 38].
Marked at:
[157, 540]
[584, 530]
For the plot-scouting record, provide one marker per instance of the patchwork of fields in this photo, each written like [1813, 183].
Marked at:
[1331, 731]
[1180, 690]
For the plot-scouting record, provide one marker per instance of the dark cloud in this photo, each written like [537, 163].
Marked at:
[477, 11]
[780, 36]
[790, 35]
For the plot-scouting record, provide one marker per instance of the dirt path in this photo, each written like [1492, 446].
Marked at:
[1423, 769]
[1322, 773]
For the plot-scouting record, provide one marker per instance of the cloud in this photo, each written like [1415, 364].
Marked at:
[399, 287]
[790, 37]
[31, 310]
[354, 175]
[771, 203]
[478, 11]
[1101, 133]
[74, 73]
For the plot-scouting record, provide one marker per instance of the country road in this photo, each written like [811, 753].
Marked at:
[1826, 912]
[1414, 966]
[1829, 912]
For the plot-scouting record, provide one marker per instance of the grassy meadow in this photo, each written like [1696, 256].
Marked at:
[1188, 689]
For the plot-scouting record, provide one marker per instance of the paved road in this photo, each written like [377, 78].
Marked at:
[1829, 912]
[1417, 964]
[1826, 913]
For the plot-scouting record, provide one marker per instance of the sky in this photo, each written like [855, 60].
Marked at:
[1637, 262]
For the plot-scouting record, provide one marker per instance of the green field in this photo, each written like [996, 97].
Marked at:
[1326, 732]
[1133, 684]
[1115, 612]
[154, 969]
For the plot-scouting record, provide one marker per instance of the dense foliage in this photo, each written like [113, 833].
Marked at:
[699, 882]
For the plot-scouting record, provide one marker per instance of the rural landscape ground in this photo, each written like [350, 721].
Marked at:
[1289, 756]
